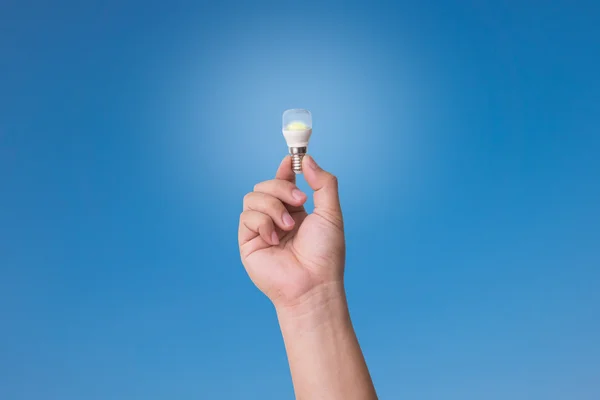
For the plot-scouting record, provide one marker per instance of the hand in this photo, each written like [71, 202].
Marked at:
[297, 260]
[290, 255]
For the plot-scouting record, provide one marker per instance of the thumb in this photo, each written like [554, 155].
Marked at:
[325, 185]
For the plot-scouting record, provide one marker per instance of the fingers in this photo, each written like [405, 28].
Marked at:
[285, 172]
[285, 191]
[271, 206]
[268, 208]
[325, 185]
[253, 223]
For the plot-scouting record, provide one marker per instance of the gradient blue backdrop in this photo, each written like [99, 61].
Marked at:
[465, 136]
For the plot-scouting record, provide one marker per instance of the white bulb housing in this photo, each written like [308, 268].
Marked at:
[297, 128]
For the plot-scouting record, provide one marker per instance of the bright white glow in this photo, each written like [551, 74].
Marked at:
[296, 126]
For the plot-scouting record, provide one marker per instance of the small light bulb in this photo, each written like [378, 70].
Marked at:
[297, 128]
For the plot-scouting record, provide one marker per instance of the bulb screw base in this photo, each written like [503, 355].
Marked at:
[297, 154]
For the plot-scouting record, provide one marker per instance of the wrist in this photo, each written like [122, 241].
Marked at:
[323, 305]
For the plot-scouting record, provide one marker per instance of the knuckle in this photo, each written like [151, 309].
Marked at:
[246, 216]
[332, 218]
[333, 180]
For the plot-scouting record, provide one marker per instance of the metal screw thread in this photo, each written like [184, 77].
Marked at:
[297, 163]
[297, 154]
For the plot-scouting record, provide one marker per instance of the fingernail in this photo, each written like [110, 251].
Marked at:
[297, 194]
[274, 238]
[288, 220]
[311, 162]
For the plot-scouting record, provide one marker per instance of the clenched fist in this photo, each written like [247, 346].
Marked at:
[290, 255]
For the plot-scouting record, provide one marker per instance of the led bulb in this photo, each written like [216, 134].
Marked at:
[297, 128]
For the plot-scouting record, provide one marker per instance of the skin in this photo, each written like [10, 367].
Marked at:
[297, 260]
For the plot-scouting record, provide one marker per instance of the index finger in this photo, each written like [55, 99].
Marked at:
[285, 171]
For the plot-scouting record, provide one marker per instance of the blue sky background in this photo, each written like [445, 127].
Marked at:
[465, 136]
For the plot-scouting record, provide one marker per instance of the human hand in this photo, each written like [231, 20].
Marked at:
[292, 256]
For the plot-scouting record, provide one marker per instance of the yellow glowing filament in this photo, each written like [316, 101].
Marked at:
[296, 126]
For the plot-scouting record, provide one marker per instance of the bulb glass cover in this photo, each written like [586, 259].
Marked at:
[297, 118]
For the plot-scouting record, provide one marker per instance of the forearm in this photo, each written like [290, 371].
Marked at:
[325, 358]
